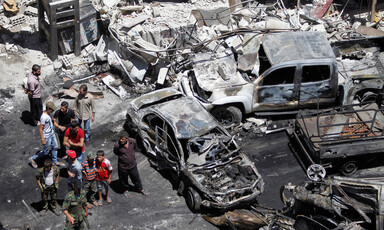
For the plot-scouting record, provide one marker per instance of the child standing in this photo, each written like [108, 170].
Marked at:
[89, 179]
[103, 177]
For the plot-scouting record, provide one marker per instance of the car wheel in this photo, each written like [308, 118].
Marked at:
[192, 199]
[228, 116]
[349, 168]
[316, 172]
[369, 97]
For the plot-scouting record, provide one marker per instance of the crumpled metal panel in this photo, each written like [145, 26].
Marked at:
[153, 97]
[252, 219]
[299, 46]
[187, 117]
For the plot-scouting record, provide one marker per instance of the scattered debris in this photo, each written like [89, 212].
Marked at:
[120, 91]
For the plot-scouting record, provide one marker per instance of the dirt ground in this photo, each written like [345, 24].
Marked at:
[163, 209]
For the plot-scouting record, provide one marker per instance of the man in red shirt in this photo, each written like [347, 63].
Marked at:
[74, 139]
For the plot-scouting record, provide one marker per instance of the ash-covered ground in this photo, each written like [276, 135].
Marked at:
[163, 209]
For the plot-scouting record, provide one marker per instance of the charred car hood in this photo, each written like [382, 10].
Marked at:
[222, 170]
[189, 118]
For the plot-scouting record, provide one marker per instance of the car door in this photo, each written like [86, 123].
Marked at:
[316, 85]
[167, 153]
[277, 89]
[150, 122]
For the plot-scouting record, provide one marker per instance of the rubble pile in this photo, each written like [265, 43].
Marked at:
[147, 42]
[6, 102]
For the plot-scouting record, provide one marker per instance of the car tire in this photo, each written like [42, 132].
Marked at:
[349, 168]
[192, 199]
[369, 97]
[227, 116]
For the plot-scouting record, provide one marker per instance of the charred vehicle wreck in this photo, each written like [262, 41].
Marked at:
[336, 203]
[297, 70]
[293, 71]
[342, 137]
[178, 134]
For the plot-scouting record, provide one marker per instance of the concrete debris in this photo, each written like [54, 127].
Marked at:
[162, 75]
[57, 65]
[120, 91]
[131, 22]
[370, 32]
[17, 20]
[66, 62]
[100, 51]
[153, 31]
[31, 11]
[128, 9]
[110, 3]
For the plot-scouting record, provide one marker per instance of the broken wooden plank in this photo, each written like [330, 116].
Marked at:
[72, 94]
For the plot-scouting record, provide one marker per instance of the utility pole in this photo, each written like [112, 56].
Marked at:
[373, 10]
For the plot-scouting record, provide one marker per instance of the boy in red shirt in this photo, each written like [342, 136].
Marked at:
[103, 176]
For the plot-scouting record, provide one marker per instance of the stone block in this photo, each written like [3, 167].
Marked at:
[17, 20]
[66, 62]
[31, 11]
[57, 65]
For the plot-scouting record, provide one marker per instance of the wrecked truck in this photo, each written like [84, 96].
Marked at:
[336, 203]
[180, 136]
[342, 137]
[297, 70]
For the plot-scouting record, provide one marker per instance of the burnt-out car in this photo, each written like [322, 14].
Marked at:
[181, 137]
[336, 203]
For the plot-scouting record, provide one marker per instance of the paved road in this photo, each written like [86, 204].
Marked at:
[276, 163]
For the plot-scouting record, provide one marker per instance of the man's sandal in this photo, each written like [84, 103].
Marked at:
[33, 163]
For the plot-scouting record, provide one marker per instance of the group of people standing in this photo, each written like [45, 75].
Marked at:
[86, 178]
[68, 122]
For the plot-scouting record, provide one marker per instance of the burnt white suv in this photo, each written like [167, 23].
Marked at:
[297, 70]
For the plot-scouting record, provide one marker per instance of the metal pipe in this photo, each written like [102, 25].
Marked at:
[29, 209]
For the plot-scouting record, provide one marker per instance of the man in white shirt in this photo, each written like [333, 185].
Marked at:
[48, 138]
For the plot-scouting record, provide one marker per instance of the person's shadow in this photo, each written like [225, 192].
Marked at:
[26, 118]
[118, 188]
[38, 206]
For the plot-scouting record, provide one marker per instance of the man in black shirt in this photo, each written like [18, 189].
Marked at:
[62, 120]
